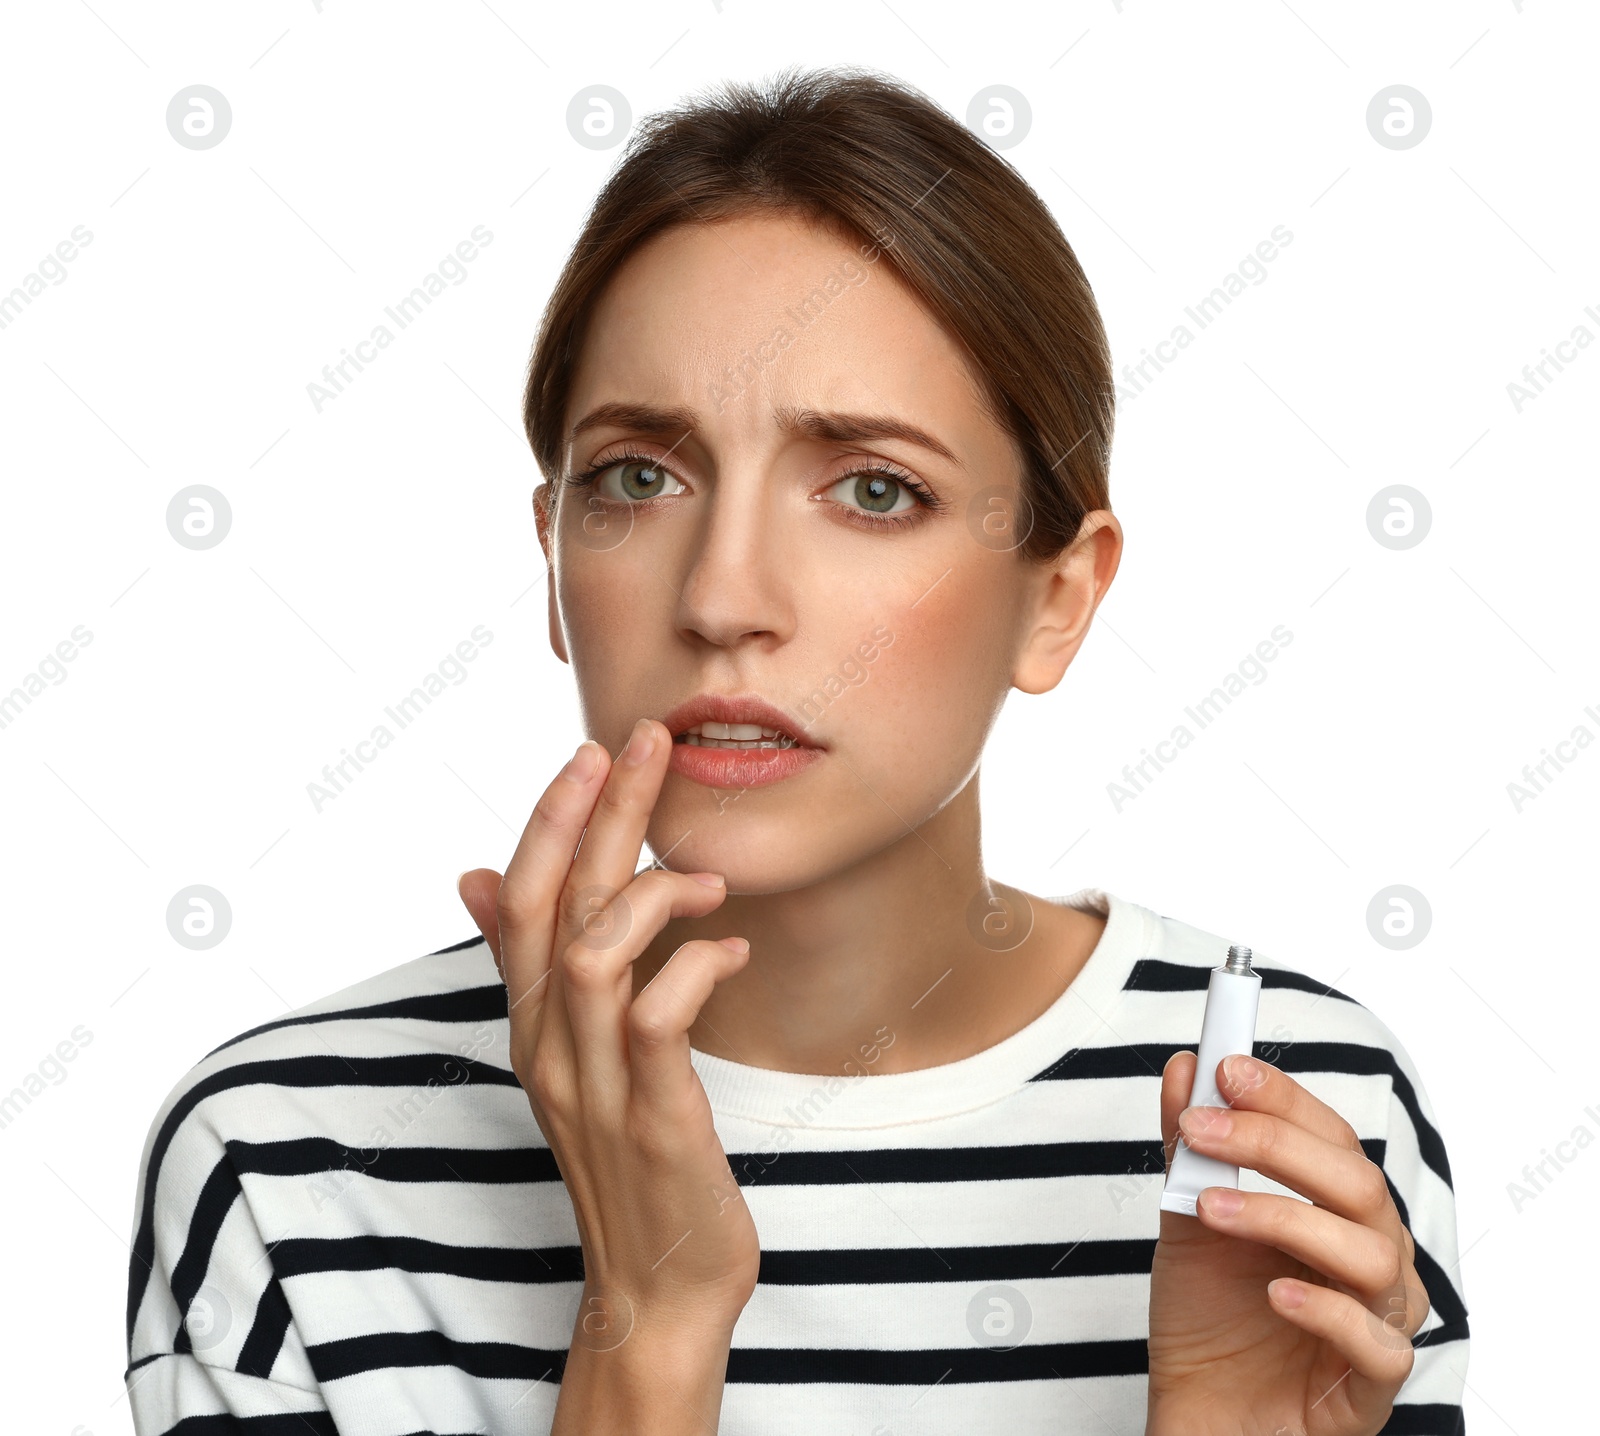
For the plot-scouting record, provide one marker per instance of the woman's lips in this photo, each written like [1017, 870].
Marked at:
[739, 767]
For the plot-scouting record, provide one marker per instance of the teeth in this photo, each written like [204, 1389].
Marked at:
[745, 732]
[735, 735]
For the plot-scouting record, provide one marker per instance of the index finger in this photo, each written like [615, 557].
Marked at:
[609, 858]
[1257, 1086]
[531, 887]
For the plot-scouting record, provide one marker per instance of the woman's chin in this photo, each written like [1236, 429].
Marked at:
[748, 868]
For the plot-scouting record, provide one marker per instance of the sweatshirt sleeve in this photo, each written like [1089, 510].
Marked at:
[212, 1345]
[1418, 1173]
[179, 1394]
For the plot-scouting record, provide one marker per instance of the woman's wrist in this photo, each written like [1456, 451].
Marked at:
[663, 1375]
[610, 1316]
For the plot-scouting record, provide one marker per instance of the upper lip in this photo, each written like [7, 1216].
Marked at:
[734, 708]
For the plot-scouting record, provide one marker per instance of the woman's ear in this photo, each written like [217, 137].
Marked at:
[542, 519]
[1069, 589]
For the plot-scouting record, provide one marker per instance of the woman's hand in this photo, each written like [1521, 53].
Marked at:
[668, 1244]
[1281, 1318]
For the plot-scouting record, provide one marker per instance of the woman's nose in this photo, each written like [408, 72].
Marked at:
[737, 572]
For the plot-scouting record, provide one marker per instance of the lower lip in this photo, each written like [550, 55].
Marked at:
[739, 768]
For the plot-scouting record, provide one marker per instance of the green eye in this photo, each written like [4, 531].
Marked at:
[639, 479]
[877, 492]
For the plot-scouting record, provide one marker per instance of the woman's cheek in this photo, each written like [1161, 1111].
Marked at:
[604, 594]
[613, 618]
[923, 725]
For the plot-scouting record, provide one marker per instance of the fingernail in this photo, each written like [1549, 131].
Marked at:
[1205, 1121]
[1221, 1201]
[1287, 1293]
[641, 743]
[1242, 1073]
[738, 944]
[459, 876]
[582, 764]
[711, 880]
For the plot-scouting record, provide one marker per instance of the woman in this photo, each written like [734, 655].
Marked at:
[809, 1125]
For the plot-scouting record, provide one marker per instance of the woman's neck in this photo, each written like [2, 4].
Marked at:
[912, 953]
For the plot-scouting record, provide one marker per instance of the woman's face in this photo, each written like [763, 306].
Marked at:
[742, 544]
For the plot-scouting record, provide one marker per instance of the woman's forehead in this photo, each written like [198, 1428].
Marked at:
[747, 320]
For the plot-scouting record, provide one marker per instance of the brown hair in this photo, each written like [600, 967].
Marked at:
[875, 160]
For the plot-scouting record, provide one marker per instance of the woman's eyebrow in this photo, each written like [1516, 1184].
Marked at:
[834, 425]
[644, 418]
[842, 427]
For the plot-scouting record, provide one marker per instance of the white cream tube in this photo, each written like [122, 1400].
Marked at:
[1229, 1026]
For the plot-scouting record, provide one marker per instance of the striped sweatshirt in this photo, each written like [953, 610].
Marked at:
[348, 1221]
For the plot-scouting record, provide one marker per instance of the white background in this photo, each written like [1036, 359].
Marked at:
[369, 539]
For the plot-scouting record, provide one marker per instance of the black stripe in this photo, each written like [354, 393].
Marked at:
[1425, 1419]
[310, 1155]
[943, 1365]
[307, 1156]
[305, 1256]
[291, 1423]
[467, 1004]
[1356, 1059]
[1360, 1060]
[1445, 1331]
[406, 1071]
[461, 946]
[920, 1264]
[1128, 1160]
[946, 1164]
[351, 1356]
[1131, 1160]
[1442, 1295]
[1443, 1298]
[319, 1423]
[211, 1209]
[261, 1347]
[1151, 974]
